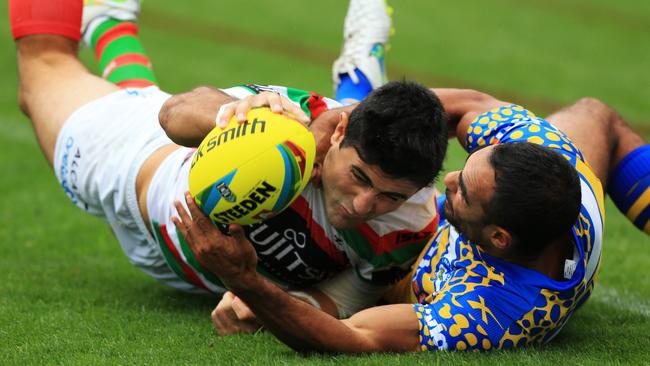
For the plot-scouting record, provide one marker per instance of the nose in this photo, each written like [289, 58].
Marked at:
[364, 202]
[451, 181]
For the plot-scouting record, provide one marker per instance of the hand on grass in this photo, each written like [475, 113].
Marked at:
[233, 316]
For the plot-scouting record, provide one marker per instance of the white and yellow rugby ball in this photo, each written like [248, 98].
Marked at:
[249, 172]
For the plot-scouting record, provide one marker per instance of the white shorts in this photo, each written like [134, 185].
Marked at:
[98, 154]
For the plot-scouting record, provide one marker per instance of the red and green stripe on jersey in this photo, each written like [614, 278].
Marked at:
[318, 234]
[392, 251]
[311, 103]
[122, 59]
[184, 264]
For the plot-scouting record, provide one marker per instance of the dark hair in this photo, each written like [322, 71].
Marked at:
[402, 128]
[536, 198]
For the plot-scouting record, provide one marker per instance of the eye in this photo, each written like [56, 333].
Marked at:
[359, 177]
[391, 197]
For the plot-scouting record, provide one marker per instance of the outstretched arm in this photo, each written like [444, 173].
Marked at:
[298, 324]
[391, 328]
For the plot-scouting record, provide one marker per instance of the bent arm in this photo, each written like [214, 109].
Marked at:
[392, 328]
[295, 322]
[187, 118]
[463, 106]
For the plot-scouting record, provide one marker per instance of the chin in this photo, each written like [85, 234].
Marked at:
[340, 222]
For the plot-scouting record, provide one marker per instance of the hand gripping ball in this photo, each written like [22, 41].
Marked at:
[249, 172]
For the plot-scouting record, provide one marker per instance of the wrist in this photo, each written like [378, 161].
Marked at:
[244, 284]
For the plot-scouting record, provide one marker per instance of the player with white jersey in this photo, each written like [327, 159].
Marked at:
[299, 247]
[364, 219]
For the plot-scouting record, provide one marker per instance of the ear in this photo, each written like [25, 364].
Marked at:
[339, 131]
[499, 237]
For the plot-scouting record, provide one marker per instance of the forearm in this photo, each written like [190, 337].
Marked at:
[299, 325]
[187, 118]
[349, 293]
[317, 299]
[463, 106]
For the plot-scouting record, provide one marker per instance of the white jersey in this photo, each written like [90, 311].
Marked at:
[103, 145]
[298, 247]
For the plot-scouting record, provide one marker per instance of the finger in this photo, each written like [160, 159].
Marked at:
[241, 110]
[227, 321]
[228, 296]
[185, 219]
[275, 102]
[226, 114]
[180, 227]
[219, 326]
[198, 217]
[214, 317]
[296, 111]
[242, 310]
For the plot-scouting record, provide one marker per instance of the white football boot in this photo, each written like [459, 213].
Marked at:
[366, 31]
[95, 12]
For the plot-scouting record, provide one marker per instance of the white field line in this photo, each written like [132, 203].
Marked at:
[622, 301]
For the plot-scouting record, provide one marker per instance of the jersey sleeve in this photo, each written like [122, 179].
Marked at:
[473, 321]
[514, 123]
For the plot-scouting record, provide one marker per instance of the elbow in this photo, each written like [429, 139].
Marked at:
[478, 97]
[166, 112]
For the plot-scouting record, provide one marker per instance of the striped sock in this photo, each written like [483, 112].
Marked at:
[122, 59]
[629, 187]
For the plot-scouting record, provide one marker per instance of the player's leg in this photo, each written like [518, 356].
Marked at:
[360, 67]
[52, 81]
[111, 32]
[619, 157]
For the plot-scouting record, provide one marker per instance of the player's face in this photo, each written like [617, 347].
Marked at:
[356, 192]
[468, 190]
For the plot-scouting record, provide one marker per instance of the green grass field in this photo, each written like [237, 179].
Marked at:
[68, 294]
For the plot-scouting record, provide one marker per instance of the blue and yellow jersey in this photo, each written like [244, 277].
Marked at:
[468, 300]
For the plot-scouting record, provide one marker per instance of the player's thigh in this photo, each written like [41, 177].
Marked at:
[53, 85]
[587, 124]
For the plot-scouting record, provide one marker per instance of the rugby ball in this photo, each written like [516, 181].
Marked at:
[246, 173]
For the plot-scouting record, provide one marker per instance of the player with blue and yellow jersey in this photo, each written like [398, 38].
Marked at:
[469, 299]
[518, 255]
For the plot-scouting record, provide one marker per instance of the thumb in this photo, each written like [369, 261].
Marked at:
[242, 310]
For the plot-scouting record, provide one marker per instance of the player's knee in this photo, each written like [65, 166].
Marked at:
[597, 108]
[23, 100]
[592, 104]
[595, 113]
